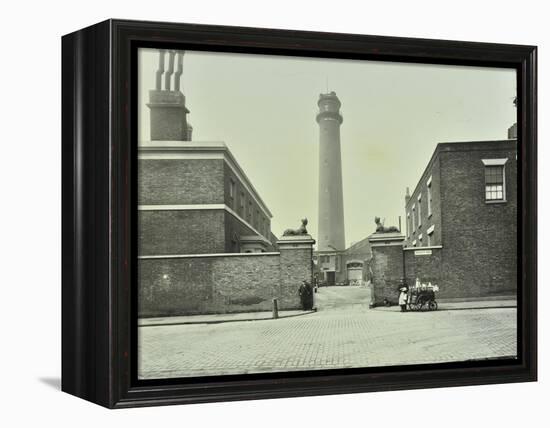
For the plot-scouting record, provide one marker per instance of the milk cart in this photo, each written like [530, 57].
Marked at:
[422, 298]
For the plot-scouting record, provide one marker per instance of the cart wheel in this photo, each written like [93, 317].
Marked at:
[433, 305]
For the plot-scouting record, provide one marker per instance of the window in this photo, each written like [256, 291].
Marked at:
[495, 186]
[430, 232]
[414, 243]
[241, 207]
[429, 196]
[231, 188]
[494, 183]
[420, 239]
[413, 219]
[250, 212]
[232, 199]
[419, 211]
[408, 225]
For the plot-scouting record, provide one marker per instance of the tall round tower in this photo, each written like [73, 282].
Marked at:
[331, 199]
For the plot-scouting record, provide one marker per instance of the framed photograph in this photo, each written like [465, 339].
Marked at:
[253, 213]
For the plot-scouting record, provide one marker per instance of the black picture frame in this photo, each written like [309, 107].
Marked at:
[99, 228]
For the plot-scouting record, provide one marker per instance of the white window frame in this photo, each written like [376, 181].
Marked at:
[495, 162]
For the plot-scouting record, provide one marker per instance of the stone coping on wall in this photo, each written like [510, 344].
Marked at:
[384, 236]
[386, 239]
[296, 238]
[296, 241]
[187, 256]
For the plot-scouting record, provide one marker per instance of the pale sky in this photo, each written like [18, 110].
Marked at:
[263, 107]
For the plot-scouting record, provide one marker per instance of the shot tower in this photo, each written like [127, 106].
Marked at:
[331, 200]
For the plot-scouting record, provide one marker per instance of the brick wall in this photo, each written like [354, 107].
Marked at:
[296, 266]
[222, 284]
[201, 285]
[181, 232]
[387, 272]
[189, 182]
[178, 181]
[427, 268]
[235, 226]
[479, 239]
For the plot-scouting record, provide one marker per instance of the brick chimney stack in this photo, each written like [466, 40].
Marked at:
[513, 130]
[167, 105]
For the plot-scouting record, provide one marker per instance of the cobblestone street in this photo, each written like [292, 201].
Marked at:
[343, 333]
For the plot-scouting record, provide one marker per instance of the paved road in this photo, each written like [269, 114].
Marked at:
[343, 333]
[349, 298]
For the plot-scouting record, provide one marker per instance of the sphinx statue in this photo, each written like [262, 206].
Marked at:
[300, 231]
[380, 228]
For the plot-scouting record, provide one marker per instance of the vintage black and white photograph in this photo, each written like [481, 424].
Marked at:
[301, 213]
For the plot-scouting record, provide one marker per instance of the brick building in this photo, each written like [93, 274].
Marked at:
[193, 198]
[461, 220]
[204, 236]
[204, 233]
[344, 267]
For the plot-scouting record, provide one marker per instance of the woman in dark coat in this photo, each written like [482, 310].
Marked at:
[306, 296]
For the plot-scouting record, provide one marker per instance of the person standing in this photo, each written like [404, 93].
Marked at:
[403, 298]
[306, 295]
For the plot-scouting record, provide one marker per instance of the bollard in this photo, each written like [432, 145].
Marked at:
[275, 309]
